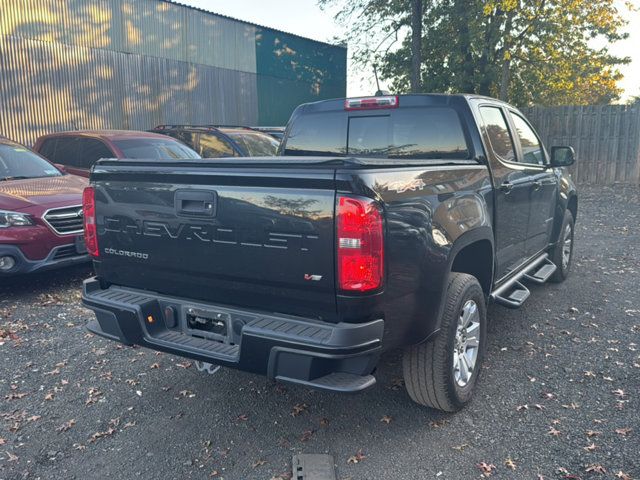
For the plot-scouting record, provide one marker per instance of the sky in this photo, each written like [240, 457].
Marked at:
[305, 18]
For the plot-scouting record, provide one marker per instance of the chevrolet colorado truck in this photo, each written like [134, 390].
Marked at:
[385, 222]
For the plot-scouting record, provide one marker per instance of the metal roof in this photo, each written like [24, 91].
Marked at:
[174, 2]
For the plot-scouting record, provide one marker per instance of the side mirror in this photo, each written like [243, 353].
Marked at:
[562, 156]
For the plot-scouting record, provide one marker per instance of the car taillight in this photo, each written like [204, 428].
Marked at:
[370, 103]
[360, 244]
[89, 216]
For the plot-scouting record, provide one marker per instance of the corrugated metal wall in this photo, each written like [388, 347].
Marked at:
[133, 64]
[306, 70]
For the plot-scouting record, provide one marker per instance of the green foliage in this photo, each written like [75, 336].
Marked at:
[527, 51]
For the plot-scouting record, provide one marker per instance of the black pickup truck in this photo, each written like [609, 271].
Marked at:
[385, 222]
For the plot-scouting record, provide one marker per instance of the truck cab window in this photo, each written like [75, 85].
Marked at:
[92, 150]
[67, 151]
[531, 147]
[498, 133]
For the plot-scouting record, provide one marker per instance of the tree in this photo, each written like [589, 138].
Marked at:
[546, 52]
[416, 44]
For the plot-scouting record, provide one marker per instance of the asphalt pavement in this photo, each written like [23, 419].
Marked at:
[559, 395]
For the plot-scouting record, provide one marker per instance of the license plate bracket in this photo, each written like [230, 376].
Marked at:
[208, 324]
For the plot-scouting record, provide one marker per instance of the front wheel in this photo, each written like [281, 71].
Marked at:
[562, 253]
[442, 373]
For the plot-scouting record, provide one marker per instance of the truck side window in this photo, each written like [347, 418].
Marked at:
[67, 151]
[531, 148]
[212, 146]
[499, 137]
[48, 148]
[92, 150]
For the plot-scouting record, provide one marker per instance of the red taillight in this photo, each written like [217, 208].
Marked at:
[89, 216]
[370, 103]
[360, 244]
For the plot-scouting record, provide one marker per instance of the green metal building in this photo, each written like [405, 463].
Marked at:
[133, 64]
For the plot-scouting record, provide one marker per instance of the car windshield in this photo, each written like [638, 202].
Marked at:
[155, 148]
[18, 162]
[256, 144]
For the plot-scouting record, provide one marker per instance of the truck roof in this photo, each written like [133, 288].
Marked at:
[412, 99]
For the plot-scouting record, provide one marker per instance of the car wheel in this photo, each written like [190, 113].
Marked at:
[443, 372]
[562, 253]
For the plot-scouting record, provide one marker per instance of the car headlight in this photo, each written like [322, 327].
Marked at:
[14, 219]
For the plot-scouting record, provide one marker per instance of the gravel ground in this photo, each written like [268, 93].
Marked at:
[559, 396]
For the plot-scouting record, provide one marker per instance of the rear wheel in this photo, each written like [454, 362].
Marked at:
[442, 373]
[562, 253]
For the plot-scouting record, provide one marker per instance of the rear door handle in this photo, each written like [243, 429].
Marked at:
[537, 184]
[506, 187]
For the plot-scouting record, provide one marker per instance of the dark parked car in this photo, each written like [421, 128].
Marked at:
[222, 141]
[77, 151]
[389, 222]
[40, 213]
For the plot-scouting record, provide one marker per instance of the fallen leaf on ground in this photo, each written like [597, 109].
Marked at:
[622, 475]
[592, 433]
[357, 458]
[486, 468]
[438, 423]
[596, 468]
[184, 364]
[386, 419]
[113, 423]
[298, 409]
[14, 395]
[556, 433]
[590, 448]
[623, 431]
[619, 393]
[94, 396]
[510, 464]
[460, 448]
[11, 457]
[258, 463]
[66, 426]
[185, 394]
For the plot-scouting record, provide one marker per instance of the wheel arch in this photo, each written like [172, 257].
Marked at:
[476, 257]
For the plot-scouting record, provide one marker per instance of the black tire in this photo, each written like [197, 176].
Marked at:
[556, 254]
[429, 367]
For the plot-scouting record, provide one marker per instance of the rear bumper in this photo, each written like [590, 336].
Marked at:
[60, 256]
[336, 357]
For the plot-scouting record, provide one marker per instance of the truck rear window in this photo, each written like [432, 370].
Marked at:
[410, 133]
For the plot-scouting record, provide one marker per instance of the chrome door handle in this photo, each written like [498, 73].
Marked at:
[537, 184]
[506, 187]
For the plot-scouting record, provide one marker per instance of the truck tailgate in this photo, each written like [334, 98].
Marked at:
[261, 238]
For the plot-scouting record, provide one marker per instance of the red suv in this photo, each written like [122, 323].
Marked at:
[40, 213]
[76, 152]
